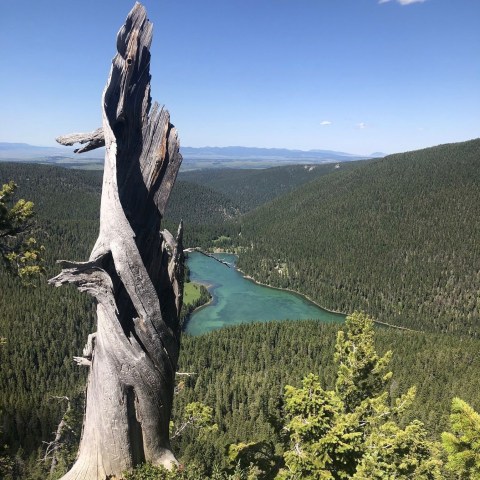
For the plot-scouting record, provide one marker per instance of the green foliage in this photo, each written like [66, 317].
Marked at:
[462, 444]
[197, 416]
[27, 260]
[211, 201]
[403, 454]
[353, 431]
[7, 464]
[188, 472]
[151, 472]
[361, 373]
[12, 219]
[20, 254]
[258, 457]
[311, 412]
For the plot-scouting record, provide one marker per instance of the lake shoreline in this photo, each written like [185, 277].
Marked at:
[251, 279]
[378, 322]
[301, 295]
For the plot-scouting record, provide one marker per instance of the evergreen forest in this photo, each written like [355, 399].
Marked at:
[397, 238]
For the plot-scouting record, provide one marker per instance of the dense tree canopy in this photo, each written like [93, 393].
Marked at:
[251, 188]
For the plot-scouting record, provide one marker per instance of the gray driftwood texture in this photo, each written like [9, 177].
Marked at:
[135, 273]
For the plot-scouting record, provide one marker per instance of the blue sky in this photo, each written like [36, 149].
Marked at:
[351, 75]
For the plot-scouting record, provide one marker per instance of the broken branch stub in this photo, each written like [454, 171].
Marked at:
[135, 272]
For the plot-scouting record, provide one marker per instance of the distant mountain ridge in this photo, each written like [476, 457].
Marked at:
[241, 153]
[61, 156]
[22, 151]
[194, 158]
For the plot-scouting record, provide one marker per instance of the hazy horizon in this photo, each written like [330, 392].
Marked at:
[361, 76]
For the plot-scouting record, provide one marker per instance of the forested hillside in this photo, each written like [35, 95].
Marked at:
[67, 198]
[397, 237]
[43, 326]
[251, 188]
[197, 205]
[206, 213]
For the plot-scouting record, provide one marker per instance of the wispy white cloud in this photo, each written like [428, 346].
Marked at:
[402, 2]
[361, 125]
[408, 2]
[325, 123]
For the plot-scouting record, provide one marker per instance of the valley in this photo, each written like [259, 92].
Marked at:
[396, 237]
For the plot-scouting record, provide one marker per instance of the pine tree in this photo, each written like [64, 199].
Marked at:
[362, 374]
[353, 431]
[18, 251]
[463, 443]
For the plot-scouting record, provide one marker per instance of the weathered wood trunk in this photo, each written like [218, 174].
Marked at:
[135, 273]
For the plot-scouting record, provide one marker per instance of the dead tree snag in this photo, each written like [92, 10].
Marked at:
[135, 272]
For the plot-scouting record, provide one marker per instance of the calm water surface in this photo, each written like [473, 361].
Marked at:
[238, 300]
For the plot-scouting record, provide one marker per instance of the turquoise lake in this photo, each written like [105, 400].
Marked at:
[239, 300]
